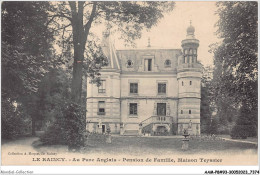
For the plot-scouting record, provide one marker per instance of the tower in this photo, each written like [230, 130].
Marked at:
[189, 73]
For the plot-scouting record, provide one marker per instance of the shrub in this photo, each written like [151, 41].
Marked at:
[14, 122]
[74, 125]
[55, 133]
[68, 127]
[239, 132]
[213, 127]
[246, 123]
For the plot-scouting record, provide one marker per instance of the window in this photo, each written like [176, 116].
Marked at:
[161, 109]
[190, 82]
[182, 83]
[129, 63]
[181, 111]
[161, 88]
[189, 111]
[148, 64]
[101, 108]
[133, 88]
[102, 87]
[195, 59]
[167, 63]
[190, 59]
[133, 109]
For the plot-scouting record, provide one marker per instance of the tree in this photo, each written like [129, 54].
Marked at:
[235, 60]
[26, 51]
[205, 104]
[24, 46]
[128, 17]
[52, 93]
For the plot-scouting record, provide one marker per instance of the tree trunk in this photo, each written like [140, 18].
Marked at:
[79, 47]
[77, 77]
[80, 35]
[33, 126]
[84, 99]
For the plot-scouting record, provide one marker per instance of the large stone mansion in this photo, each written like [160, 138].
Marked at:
[147, 91]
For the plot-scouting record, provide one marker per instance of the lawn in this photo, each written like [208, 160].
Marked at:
[231, 153]
[158, 146]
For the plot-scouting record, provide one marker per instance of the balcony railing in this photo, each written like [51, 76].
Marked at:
[101, 113]
[189, 65]
[157, 119]
[101, 90]
[161, 119]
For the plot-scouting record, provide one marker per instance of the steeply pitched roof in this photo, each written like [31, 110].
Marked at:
[110, 52]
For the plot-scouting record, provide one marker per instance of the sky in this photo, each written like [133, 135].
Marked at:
[171, 30]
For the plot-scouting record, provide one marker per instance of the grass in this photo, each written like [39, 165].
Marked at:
[158, 146]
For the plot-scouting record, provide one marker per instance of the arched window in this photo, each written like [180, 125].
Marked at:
[189, 111]
[167, 63]
[182, 83]
[181, 111]
[190, 82]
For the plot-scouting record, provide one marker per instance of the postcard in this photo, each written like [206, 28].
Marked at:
[136, 83]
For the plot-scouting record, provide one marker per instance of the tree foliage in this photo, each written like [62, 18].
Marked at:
[26, 55]
[235, 59]
[236, 56]
[205, 104]
[53, 90]
[14, 121]
[25, 47]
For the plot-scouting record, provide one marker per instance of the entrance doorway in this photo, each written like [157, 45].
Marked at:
[103, 129]
[161, 131]
[161, 109]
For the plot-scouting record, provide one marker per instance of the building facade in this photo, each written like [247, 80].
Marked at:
[147, 91]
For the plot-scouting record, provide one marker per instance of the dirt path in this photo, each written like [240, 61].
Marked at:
[241, 141]
[251, 140]
[24, 144]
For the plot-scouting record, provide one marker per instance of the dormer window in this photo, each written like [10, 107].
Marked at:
[148, 64]
[129, 64]
[167, 63]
